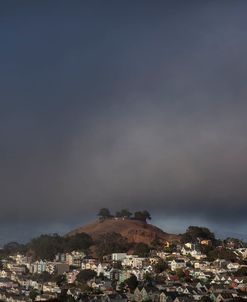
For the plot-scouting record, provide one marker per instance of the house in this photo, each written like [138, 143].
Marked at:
[222, 297]
[71, 276]
[140, 295]
[5, 274]
[189, 245]
[7, 283]
[185, 251]
[118, 256]
[46, 297]
[233, 266]
[133, 261]
[100, 269]
[206, 242]
[178, 264]
[197, 254]
[243, 252]
[51, 287]
[166, 244]
[123, 275]
[38, 267]
[163, 297]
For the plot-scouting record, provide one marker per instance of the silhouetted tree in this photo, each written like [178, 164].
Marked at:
[85, 275]
[142, 249]
[156, 242]
[142, 215]
[242, 272]
[13, 247]
[194, 233]
[61, 280]
[33, 294]
[124, 213]
[160, 266]
[131, 282]
[80, 242]
[222, 253]
[104, 213]
[43, 277]
[47, 246]
[206, 299]
[111, 242]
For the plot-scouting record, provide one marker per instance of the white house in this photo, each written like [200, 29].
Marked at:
[118, 256]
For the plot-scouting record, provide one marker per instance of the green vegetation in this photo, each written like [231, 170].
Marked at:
[141, 249]
[157, 242]
[85, 275]
[43, 277]
[12, 248]
[64, 297]
[124, 213]
[161, 266]
[222, 253]
[60, 280]
[111, 243]
[80, 241]
[195, 233]
[206, 299]
[105, 213]
[47, 246]
[33, 294]
[142, 215]
[242, 272]
[234, 242]
[131, 282]
[180, 273]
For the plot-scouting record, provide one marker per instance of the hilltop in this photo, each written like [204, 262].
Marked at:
[133, 230]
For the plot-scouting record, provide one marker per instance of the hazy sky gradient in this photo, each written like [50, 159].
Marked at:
[138, 104]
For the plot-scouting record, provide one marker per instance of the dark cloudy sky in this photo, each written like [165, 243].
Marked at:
[138, 104]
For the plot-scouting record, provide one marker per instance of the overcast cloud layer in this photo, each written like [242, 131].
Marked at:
[138, 104]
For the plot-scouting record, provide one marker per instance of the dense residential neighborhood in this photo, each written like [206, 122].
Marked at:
[199, 269]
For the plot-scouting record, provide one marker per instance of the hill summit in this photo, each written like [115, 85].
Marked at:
[133, 230]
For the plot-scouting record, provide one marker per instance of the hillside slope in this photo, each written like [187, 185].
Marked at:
[134, 230]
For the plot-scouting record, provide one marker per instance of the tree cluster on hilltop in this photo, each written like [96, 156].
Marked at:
[105, 213]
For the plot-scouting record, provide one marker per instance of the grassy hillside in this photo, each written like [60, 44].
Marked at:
[134, 230]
